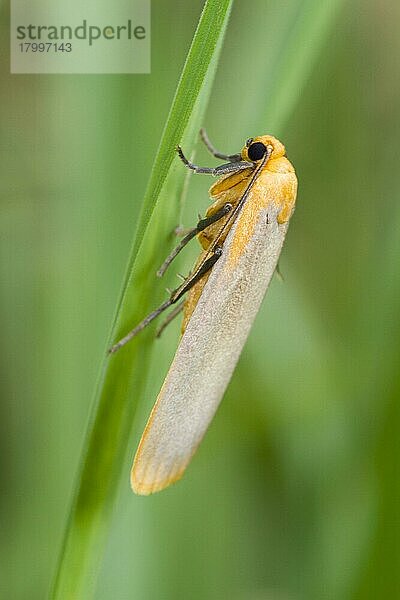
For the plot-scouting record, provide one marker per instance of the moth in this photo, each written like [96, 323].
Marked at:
[241, 237]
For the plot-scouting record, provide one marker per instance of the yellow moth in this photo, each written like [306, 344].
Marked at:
[241, 237]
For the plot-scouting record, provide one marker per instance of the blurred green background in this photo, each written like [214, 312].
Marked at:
[294, 493]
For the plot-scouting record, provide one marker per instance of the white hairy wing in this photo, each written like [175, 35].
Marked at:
[207, 355]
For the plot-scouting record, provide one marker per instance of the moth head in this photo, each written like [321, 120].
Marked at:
[256, 148]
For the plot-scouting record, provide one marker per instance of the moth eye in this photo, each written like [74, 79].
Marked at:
[256, 151]
[248, 142]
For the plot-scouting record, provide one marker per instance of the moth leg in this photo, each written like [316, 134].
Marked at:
[216, 153]
[174, 297]
[225, 169]
[180, 231]
[127, 338]
[279, 272]
[174, 313]
[206, 266]
[202, 224]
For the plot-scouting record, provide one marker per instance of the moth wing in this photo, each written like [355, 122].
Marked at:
[207, 354]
